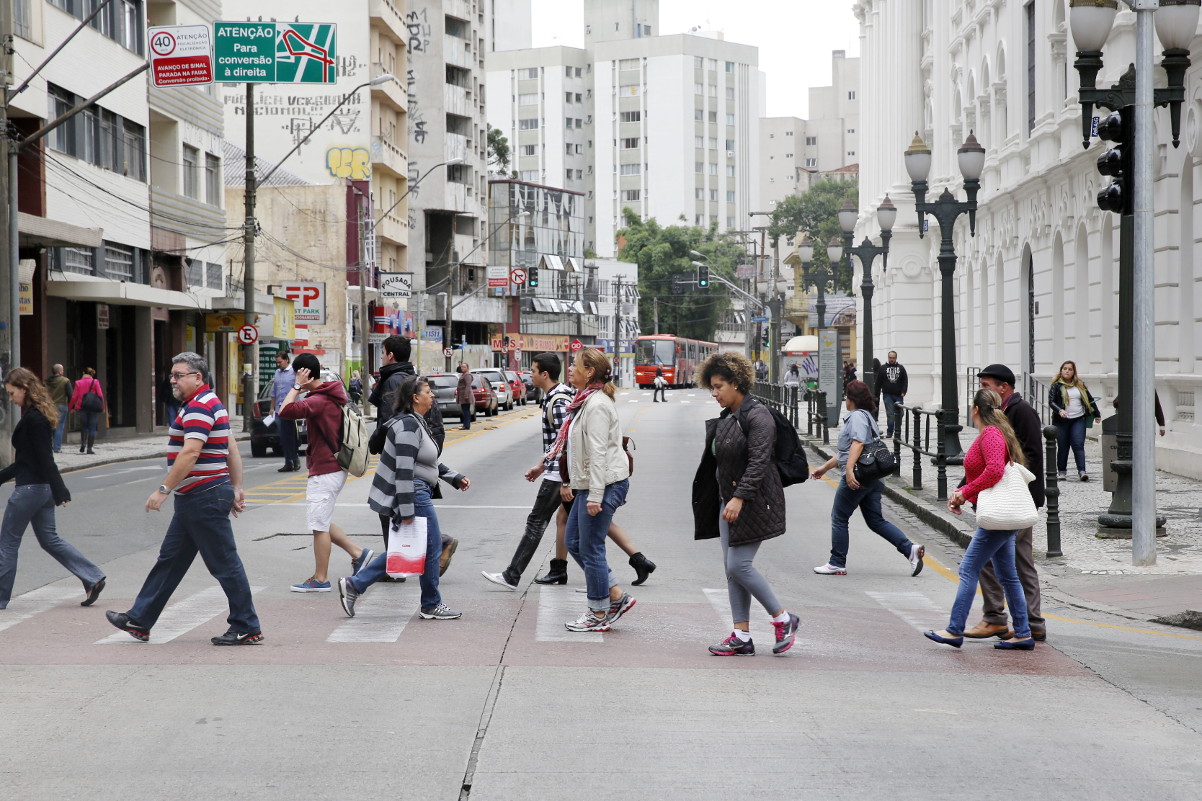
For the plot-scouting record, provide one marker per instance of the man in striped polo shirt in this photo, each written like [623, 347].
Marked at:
[205, 474]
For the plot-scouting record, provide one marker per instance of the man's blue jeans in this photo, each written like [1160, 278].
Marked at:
[61, 427]
[585, 538]
[998, 546]
[34, 503]
[201, 524]
[868, 500]
[289, 445]
[891, 402]
[423, 506]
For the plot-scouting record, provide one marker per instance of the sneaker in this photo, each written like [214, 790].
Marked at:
[916, 553]
[498, 578]
[347, 594]
[1084, 476]
[619, 607]
[232, 637]
[1062, 474]
[733, 646]
[830, 570]
[785, 634]
[440, 612]
[363, 561]
[122, 621]
[311, 585]
[589, 621]
[448, 551]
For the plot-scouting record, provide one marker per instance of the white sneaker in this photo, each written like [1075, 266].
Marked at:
[498, 578]
[830, 570]
[916, 553]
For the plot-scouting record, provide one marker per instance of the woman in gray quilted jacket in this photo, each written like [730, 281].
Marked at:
[738, 497]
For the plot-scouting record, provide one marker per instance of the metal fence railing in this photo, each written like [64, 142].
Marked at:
[918, 430]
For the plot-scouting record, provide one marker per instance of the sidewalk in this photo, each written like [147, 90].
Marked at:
[123, 445]
[1092, 573]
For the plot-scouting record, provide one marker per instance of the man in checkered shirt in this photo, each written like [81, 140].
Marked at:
[545, 369]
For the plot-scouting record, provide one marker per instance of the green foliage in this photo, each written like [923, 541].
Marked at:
[498, 151]
[816, 212]
[662, 253]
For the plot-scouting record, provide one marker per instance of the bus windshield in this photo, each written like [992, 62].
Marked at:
[655, 352]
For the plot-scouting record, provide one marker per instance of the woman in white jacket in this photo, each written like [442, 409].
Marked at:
[598, 475]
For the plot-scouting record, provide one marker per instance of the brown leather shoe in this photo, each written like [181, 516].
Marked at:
[448, 551]
[983, 630]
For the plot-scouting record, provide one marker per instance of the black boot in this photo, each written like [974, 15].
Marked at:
[83, 443]
[91, 442]
[558, 574]
[643, 566]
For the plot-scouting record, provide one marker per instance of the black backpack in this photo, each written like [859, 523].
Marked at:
[788, 455]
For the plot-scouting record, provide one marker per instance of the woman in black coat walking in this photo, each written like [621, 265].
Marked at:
[738, 497]
[39, 489]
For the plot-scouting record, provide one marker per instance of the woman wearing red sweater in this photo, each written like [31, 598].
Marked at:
[984, 465]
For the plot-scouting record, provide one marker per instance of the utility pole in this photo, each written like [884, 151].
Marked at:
[11, 326]
[364, 344]
[250, 361]
[655, 305]
[618, 325]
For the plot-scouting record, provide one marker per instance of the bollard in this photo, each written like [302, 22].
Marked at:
[940, 458]
[1051, 490]
[897, 430]
[809, 399]
[914, 418]
[822, 421]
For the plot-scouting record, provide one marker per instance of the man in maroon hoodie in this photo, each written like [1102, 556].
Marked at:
[322, 410]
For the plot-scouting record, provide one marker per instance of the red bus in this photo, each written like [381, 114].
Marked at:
[676, 356]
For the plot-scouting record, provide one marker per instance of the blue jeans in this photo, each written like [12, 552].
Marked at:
[201, 524]
[1070, 433]
[891, 402]
[62, 426]
[585, 538]
[88, 421]
[466, 411]
[289, 444]
[34, 503]
[423, 506]
[868, 500]
[998, 546]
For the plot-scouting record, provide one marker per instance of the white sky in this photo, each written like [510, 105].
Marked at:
[795, 37]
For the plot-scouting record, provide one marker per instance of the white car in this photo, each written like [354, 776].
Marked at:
[499, 383]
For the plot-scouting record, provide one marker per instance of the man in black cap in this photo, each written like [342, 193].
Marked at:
[1029, 431]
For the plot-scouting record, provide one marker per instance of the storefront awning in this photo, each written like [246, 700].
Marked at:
[88, 288]
[41, 232]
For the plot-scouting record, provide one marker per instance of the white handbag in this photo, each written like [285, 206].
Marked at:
[1008, 505]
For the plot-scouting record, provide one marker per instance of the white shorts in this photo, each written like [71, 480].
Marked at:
[321, 493]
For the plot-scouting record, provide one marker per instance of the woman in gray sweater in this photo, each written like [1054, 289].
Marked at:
[405, 486]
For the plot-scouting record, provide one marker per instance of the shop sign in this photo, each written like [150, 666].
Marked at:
[310, 302]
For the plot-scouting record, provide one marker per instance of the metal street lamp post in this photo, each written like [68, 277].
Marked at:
[886, 215]
[945, 210]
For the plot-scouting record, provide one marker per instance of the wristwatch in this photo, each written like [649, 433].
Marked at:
[297, 387]
[163, 489]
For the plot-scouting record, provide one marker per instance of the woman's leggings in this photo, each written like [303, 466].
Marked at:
[742, 579]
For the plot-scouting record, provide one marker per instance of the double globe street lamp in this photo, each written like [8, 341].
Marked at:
[866, 252]
[945, 210]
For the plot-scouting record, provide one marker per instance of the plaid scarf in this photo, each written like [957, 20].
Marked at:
[561, 440]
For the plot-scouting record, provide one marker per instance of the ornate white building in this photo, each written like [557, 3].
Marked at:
[1038, 284]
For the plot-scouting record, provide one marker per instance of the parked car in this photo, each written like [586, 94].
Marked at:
[517, 386]
[488, 401]
[445, 385]
[500, 383]
[533, 393]
[264, 438]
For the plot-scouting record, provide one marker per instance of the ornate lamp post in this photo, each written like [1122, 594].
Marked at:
[945, 210]
[886, 215]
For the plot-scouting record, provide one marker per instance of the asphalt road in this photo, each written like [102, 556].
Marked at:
[505, 704]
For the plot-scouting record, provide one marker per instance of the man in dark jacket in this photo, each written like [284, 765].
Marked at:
[892, 383]
[396, 366]
[1029, 431]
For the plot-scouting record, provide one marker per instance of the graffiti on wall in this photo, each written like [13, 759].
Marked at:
[349, 162]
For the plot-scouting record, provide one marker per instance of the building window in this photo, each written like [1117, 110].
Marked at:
[135, 151]
[631, 116]
[578, 97]
[528, 175]
[213, 281]
[530, 74]
[528, 150]
[579, 123]
[730, 119]
[788, 133]
[631, 169]
[699, 193]
[851, 95]
[567, 72]
[530, 124]
[699, 167]
[578, 71]
[811, 163]
[568, 149]
[713, 143]
[851, 130]
[195, 273]
[568, 121]
[630, 143]
[1029, 14]
[190, 158]
[632, 194]
[699, 114]
[77, 260]
[699, 219]
[628, 64]
[811, 140]
[713, 117]
[22, 25]
[851, 152]
[730, 93]
[730, 171]
[698, 88]
[530, 99]
[713, 168]
[212, 180]
[730, 66]
[698, 62]
[713, 195]
[713, 90]
[118, 261]
[712, 64]
[699, 141]
[730, 196]
[730, 144]
[730, 222]
[62, 138]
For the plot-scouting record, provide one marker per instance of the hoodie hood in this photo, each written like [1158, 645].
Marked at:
[332, 390]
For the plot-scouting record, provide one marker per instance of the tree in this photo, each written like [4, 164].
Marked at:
[816, 212]
[498, 151]
[664, 254]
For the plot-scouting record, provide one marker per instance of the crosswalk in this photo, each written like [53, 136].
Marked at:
[182, 616]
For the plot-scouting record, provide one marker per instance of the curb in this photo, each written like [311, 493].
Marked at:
[155, 454]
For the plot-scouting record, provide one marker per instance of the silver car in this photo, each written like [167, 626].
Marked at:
[500, 384]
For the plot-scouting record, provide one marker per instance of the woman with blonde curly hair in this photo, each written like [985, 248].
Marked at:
[738, 497]
[39, 488]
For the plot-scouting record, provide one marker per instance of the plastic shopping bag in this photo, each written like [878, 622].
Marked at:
[406, 548]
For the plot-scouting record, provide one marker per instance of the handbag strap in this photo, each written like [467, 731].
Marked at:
[872, 426]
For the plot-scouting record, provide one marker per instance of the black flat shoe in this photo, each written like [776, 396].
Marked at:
[93, 593]
[954, 642]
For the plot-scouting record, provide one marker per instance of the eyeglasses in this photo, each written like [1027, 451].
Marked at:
[178, 376]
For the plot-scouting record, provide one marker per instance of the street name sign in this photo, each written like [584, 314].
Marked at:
[181, 55]
[275, 52]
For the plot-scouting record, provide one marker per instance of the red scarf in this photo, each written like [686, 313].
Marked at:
[561, 439]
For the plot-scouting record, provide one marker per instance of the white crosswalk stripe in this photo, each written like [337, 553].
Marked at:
[913, 607]
[33, 602]
[183, 616]
[555, 608]
[380, 616]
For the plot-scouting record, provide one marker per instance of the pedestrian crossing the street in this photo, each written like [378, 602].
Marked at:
[383, 621]
[182, 616]
[555, 608]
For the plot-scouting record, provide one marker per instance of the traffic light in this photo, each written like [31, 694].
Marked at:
[703, 276]
[765, 336]
[532, 278]
[1117, 162]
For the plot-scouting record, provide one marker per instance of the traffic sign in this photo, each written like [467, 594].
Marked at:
[575, 345]
[275, 52]
[759, 319]
[181, 55]
[447, 352]
[517, 275]
[248, 335]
